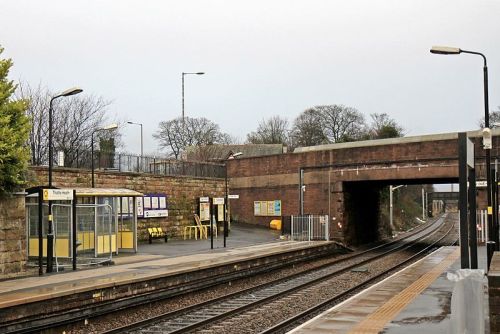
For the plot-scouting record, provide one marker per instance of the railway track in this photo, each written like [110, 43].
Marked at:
[346, 275]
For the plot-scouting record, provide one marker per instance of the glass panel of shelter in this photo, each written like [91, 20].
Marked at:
[126, 223]
[101, 221]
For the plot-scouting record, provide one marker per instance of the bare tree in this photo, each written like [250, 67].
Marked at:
[38, 98]
[341, 123]
[77, 118]
[384, 126]
[74, 120]
[271, 131]
[308, 129]
[494, 119]
[177, 134]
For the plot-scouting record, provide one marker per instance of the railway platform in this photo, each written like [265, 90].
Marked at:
[162, 268]
[416, 299]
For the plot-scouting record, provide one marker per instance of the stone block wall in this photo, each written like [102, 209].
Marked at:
[182, 192]
[13, 255]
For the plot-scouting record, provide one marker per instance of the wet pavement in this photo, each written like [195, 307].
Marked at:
[240, 235]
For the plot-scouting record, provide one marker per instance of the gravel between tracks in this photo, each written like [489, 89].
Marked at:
[254, 322]
[275, 312]
[129, 316]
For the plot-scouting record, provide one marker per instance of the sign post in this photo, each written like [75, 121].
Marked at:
[230, 196]
[467, 203]
[73, 227]
[53, 195]
[221, 201]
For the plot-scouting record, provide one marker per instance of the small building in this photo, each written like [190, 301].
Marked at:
[220, 153]
[106, 224]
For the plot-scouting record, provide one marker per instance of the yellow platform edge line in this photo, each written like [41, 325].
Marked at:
[376, 321]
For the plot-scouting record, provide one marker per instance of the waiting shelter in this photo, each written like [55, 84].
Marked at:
[106, 224]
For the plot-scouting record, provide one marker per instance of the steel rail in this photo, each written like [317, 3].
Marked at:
[190, 322]
[286, 324]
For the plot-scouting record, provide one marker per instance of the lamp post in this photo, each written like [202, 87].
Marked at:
[142, 147]
[444, 50]
[391, 189]
[183, 74]
[50, 232]
[226, 201]
[109, 127]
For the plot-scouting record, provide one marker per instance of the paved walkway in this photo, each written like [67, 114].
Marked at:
[241, 235]
[415, 300]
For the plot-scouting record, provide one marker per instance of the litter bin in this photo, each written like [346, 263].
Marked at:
[467, 301]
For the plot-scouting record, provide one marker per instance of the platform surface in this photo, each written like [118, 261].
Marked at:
[156, 260]
[415, 300]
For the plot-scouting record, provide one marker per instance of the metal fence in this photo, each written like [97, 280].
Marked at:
[135, 163]
[95, 233]
[482, 226]
[309, 228]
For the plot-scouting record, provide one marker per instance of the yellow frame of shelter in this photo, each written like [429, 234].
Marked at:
[120, 239]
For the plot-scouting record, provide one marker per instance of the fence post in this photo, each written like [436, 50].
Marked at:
[484, 230]
[310, 228]
[484, 212]
[327, 227]
[291, 228]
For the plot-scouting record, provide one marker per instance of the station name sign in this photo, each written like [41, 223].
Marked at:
[218, 200]
[57, 194]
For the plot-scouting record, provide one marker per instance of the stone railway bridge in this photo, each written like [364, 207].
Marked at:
[344, 180]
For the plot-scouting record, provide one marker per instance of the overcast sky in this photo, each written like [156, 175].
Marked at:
[261, 58]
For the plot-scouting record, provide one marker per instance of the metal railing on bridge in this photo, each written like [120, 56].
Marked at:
[135, 163]
[309, 228]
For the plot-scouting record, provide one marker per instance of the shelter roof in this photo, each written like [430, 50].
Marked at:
[100, 192]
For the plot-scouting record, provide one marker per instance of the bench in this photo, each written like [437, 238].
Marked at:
[156, 233]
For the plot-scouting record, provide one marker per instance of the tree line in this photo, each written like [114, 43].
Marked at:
[75, 118]
[315, 126]
[325, 124]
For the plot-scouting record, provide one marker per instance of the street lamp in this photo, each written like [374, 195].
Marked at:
[226, 213]
[444, 50]
[391, 189]
[68, 92]
[50, 233]
[183, 74]
[109, 127]
[142, 147]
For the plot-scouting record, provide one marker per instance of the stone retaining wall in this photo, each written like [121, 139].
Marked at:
[182, 192]
[13, 255]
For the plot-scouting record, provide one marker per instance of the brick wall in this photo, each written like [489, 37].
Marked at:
[182, 192]
[13, 255]
[277, 177]
[423, 160]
